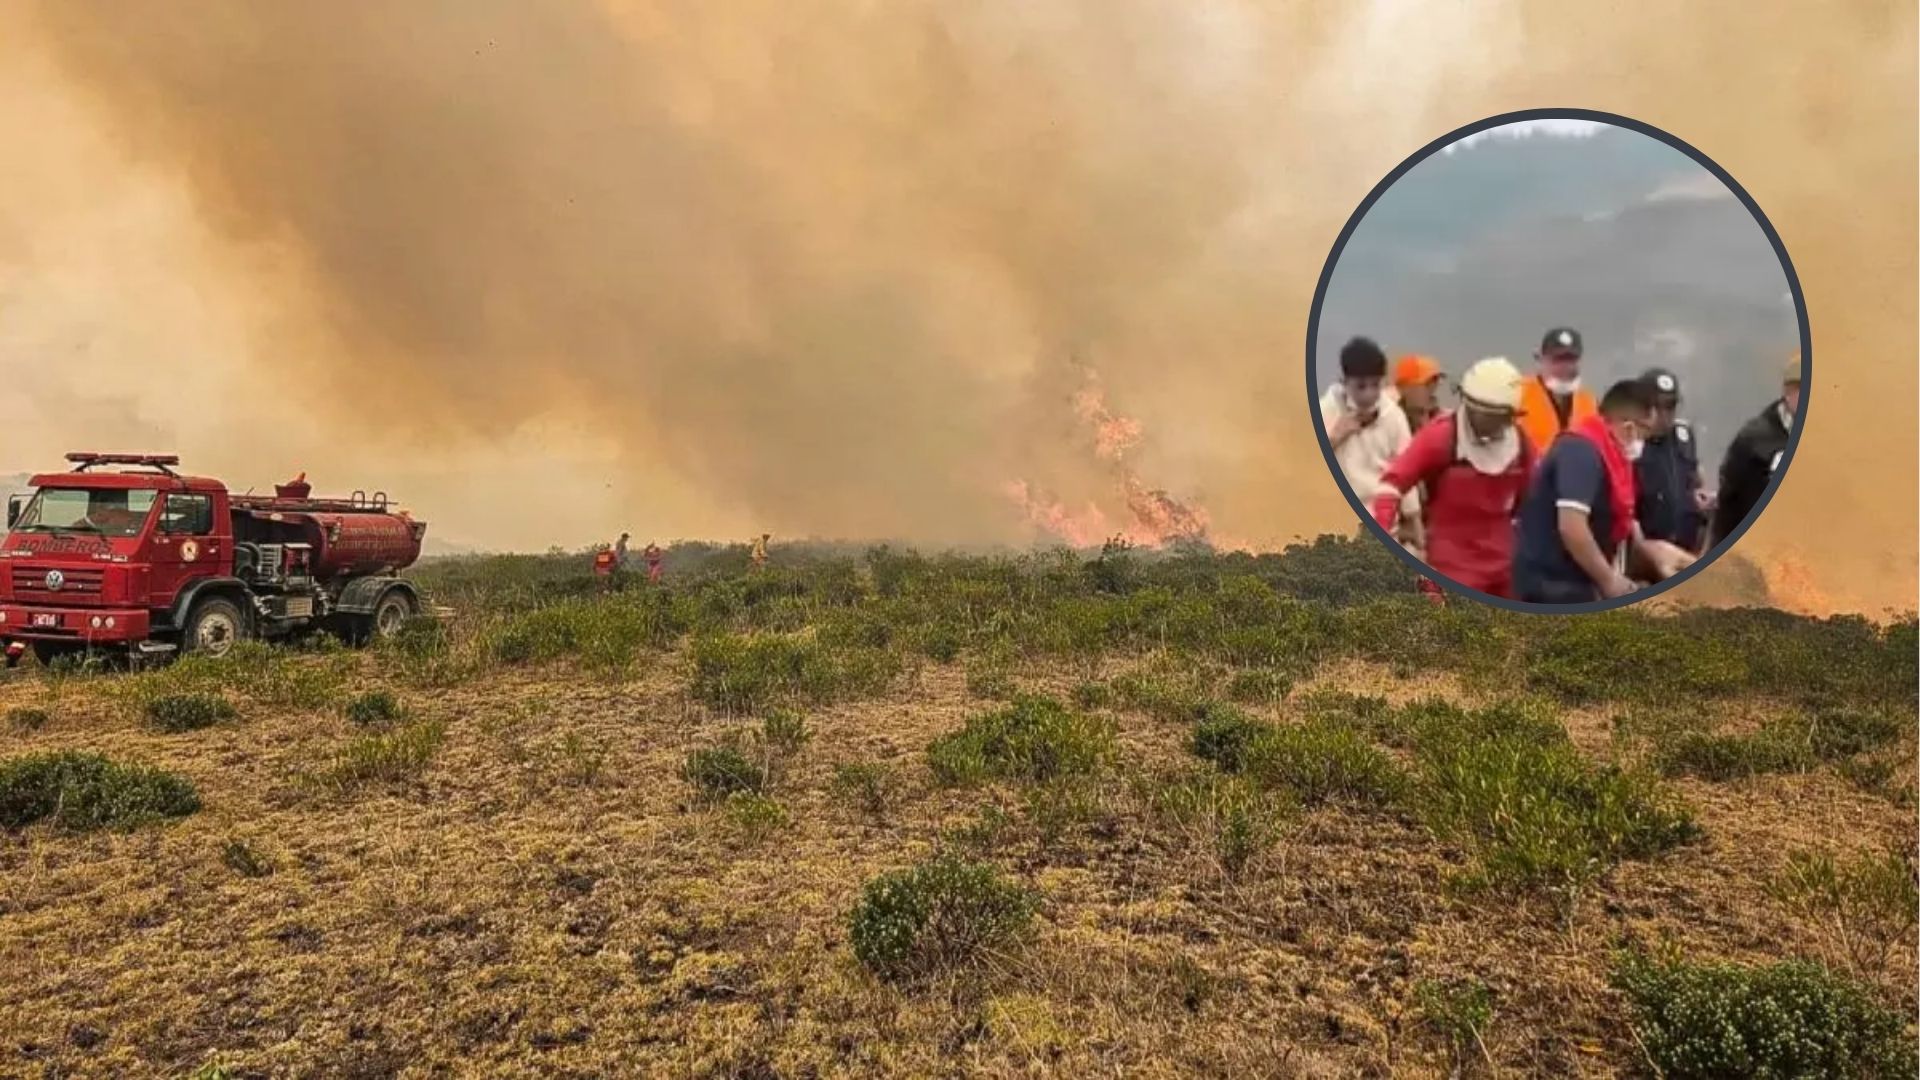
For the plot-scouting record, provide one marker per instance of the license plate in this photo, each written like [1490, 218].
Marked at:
[46, 620]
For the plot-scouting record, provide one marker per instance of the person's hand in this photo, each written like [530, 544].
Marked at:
[1667, 559]
[1343, 428]
[1616, 585]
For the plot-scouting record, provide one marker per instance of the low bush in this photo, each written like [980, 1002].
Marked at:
[1460, 1011]
[1320, 761]
[755, 816]
[1034, 739]
[386, 757]
[1788, 1019]
[1712, 756]
[869, 785]
[719, 771]
[1225, 736]
[1233, 818]
[992, 684]
[1533, 810]
[28, 718]
[745, 672]
[242, 859]
[175, 713]
[1625, 656]
[784, 732]
[1063, 803]
[1259, 686]
[81, 792]
[375, 707]
[943, 914]
[1865, 906]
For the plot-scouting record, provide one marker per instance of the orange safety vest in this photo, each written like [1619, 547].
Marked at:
[1538, 419]
[603, 563]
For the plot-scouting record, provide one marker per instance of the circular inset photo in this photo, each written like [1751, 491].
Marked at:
[1557, 361]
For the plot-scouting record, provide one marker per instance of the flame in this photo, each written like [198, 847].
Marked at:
[1790, 586]
[1154, 516]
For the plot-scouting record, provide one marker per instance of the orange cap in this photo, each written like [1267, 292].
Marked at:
[1415, 370]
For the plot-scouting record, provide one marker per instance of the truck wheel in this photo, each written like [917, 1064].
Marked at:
[391, 613]
[213, 628]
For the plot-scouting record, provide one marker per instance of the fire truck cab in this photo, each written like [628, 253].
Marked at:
[145, 559]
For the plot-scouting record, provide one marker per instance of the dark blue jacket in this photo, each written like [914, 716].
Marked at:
[1668, 475]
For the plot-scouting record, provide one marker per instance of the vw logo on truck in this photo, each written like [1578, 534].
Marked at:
[55, 579]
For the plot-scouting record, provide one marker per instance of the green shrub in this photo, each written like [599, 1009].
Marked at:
[992, 684]
[1161, 697]
[1625, 656]
[755, 816]
[719, 771]
[375, 707]
[386, 757]
[1224, 737]
[1865, 905]
[1321, 761]
[1092, 695]
[1057, 805]
[1788, 1019]
[784, 732]
[1259, 686]
[1034, 739]
[81, 791]
[742, 673]
[869, 785]
[1712, 756]
[175, 713]
[1834, 734]
[942, 914]
[1460, 1011]
[985, 832]
[28, 718]
[242, 859]
[1536, 812]
[1233, 817]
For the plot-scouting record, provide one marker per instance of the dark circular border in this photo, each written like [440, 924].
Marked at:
[1759, 217]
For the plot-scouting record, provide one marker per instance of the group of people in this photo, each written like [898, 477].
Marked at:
[613, 564]
[1531, 487]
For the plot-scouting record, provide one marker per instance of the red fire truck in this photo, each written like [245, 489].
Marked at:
[124, 553]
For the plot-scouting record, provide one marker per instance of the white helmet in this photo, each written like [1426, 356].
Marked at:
[1493, 383]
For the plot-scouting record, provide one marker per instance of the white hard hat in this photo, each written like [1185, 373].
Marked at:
[1493, 382]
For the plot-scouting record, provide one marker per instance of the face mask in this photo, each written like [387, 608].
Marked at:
[1633, 449]
[1563, 387]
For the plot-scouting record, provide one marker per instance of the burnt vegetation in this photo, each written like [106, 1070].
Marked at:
[878, 811]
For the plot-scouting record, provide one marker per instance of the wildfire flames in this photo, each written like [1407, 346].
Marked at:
[1153, 517]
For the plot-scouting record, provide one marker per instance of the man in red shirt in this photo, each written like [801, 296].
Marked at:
[1474, 464]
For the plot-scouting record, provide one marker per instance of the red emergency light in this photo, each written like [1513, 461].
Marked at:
[86, 459]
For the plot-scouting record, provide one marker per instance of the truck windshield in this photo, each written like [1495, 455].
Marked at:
[105, 511]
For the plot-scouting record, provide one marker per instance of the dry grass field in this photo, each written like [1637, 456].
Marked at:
[890, 815]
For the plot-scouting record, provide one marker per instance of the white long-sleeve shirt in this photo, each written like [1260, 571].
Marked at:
[1367, 452]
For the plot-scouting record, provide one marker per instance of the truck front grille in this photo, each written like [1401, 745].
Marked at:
[78, 584]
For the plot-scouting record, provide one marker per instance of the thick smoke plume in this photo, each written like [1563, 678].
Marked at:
[550, 271]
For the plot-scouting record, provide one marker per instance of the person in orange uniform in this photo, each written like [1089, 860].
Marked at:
[1416, 386]
[1553, 402]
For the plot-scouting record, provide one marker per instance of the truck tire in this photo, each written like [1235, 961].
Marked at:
[213, 628]
[390, 614]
